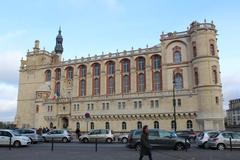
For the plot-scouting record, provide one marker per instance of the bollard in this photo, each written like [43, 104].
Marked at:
[52, 145]
[230, 143]
[10, 143]
[185, 144]
[96, 145]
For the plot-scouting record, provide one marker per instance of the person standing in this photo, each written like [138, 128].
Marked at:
[77, 132]
[145, 145]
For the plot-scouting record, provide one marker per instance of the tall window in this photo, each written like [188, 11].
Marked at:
[110, 77]
[177, 57]
[96, 90]
[194, 49]
[69, 73]
[126, 85]
[37, 108]
[141, 64]
[77, 125]
[139, 125]
[110, 85]
[96, 69]
[48, 75]
[141, 82]
[111, 68]
[83, 87]
[82, 71]
[125, 66]
[58, 74]
[178, 81]
[156, 124]
[156, 81]
[214, 74]
[57, 89]
[212, 49]
[124, 125]
[196, 76]
[92, 125]
[107, 125]
[156, 62]
[125, 76]
[189, 124]
[172, 124]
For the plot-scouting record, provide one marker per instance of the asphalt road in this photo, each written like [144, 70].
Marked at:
[78, 151]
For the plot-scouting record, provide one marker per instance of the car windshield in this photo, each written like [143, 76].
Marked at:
[16, 133]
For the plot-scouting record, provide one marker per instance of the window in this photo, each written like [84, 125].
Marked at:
[77, 125]
[96, 87]
[189, 124]
[83, 71]
[119, 105]
[88, 107]
[141, 82]
[48, 75]
[69, 73]
[179, 102]
[103, 106]
[78, 107]
[177, 57]
[156, 62]
[139, 125]
[152, 103]
[217, 100]
[107, 125]
[194, 49]
[110, 85]
[96, 69]
[156, 103]
[125, 66]
[51, 125]
[123, 105]
[140, 104]
[156, 124]
[92, 106]
[92, 125]
[64, 108]
[141, 64]
[214, 72]
[107, 106]
[37, 108]
[178, 81]
[212, 49]
[75, 107]
[126, 82]
[124, 125]
[82, 87]
[111, 68]
[156, 81]
[172, 124]
[58, 74]
[196, 76]
[135, 104]
[57, 89]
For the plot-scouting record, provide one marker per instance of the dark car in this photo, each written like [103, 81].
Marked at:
[190, 135]
[158, 138]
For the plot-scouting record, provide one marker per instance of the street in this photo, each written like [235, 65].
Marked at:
[75, 150]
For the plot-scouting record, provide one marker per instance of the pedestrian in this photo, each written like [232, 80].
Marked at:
[47, 129]
[78, 133]
[44, 130]
[145, 145]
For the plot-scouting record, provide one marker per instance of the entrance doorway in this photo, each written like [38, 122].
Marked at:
[65, 122]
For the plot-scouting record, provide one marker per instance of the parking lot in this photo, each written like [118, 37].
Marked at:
[115, 151]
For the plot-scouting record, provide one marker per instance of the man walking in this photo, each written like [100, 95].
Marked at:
[145, 145]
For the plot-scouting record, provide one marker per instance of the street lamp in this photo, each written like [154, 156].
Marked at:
[174, 107]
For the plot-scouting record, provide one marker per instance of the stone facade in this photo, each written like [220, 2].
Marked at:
[233, 113]
[126, 90]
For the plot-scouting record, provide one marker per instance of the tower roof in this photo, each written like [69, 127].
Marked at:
[59, 40]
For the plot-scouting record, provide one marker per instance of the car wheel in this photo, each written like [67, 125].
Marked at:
[17, 144]
[31, 140]
[124, 140]
[109, 140]
[138, 147]
[85, 140]
[179, 146]
[64, 140]
[221, 146]
[205, 145]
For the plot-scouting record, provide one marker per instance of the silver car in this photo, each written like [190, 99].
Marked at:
[123, 138]
[58, 135]
[203, 137]
[101, 135]
[221, 140]
[30, 133]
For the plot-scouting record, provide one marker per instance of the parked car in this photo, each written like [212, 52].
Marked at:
[16, 139]
[221, 140]
[58, 135]
[123, 138]
[190, 135]
[158, 138]
[203, 137]
[102, 135]
[30, 133]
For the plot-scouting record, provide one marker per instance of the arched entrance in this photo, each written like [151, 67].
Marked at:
[64, 122]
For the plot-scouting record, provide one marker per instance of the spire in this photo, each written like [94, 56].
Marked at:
[59, 41]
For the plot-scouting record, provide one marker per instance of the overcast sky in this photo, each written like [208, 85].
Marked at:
[93, 26]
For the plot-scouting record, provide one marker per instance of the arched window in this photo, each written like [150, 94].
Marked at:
[156, 124]
[111, 85]
[83, 87]
[156, 62]
[70, 73]
[126, 84]
[37, 108]
[58, 74]
[57, 89]
[125, 66]
[91, 125]
[111, 68]
[214, 74]
[172, 125]
[189, 124]
[48, 75]
[156, 81]
[124, 125]
[96, 69]
[96, 84]
[140, 64]
[194, 49]
[107, 125]
[77, 125]
[141, 82]
[82, 71]
[51, 125]
[212, 49]
[177, 57]
[139, 125]
[178, 81]
[196, 76]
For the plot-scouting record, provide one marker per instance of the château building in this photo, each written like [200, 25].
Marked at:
[126, 90]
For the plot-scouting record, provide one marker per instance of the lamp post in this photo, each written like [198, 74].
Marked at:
[174, 107]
